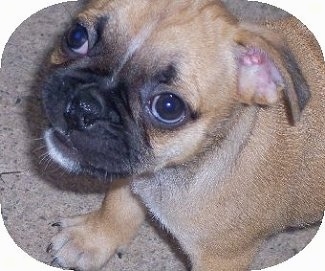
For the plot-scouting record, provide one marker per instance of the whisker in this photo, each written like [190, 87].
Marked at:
[38, 139]
[45, 163]
[37, 149]
[44, 157]
[48, 162]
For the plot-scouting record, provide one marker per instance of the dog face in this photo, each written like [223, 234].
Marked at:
[135, 86]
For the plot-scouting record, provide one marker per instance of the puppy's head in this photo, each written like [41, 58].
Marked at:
[139, 85]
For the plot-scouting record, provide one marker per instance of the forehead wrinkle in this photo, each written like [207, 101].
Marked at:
[135, 45]
[160, 15]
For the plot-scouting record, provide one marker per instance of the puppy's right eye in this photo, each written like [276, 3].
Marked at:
[168, 109]
[77, 39]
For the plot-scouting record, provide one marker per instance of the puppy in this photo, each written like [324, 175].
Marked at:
[214, 125]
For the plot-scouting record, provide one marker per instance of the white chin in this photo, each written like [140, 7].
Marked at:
[57, 155]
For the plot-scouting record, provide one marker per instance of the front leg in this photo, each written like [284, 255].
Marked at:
[217, 260]
[214, 244]
[87, 242]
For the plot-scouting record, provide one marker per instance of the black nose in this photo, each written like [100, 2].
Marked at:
[85, 108]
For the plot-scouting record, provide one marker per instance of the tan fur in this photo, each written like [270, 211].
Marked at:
[245, 169]
[101, 233]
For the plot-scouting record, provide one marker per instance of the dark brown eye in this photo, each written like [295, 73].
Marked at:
[77, 39]
[168, 108]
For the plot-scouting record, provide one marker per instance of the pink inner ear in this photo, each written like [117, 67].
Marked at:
[258, 78]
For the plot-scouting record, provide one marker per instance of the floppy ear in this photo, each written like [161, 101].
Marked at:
[266, 69]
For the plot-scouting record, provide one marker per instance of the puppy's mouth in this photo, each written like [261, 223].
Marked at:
[61, 150]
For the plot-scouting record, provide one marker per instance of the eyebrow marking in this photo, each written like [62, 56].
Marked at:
[134, 46]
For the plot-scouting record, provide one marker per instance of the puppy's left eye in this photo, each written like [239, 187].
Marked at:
[77, 39]
[168, 108]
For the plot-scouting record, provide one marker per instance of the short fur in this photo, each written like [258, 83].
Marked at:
[246, 160]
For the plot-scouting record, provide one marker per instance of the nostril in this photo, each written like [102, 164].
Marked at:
[84, 110]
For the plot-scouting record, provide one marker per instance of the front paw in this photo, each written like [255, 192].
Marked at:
[83, 243]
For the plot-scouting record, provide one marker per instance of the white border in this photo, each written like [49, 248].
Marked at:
[14, 12]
